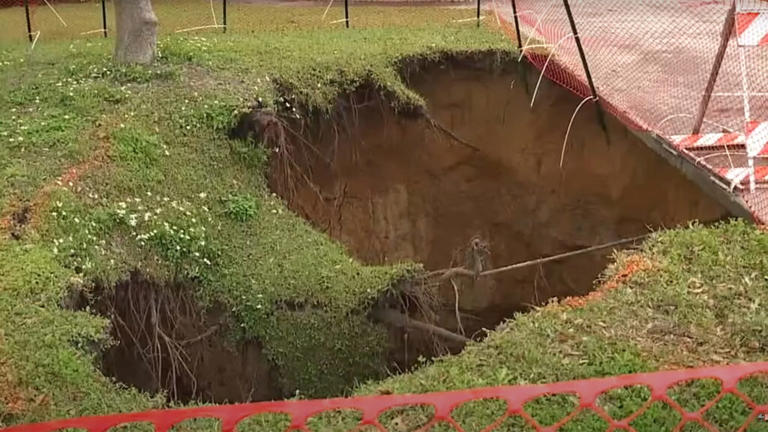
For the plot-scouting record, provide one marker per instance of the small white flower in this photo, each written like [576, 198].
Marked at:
[205, 260]
[202, 195]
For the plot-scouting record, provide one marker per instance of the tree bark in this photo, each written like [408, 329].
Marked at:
[136, 31]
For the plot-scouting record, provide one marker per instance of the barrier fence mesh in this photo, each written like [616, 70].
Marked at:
[652, 61]
[724, 398]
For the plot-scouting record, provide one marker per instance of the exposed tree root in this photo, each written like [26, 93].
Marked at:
[446, 274]
[398, 319]
[156, 321]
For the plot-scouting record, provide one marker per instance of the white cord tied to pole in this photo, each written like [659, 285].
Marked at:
[496, 13]
[199, 28]
[327, 8]
[674, 116]
[34, 42]
[544, 69]
[56, 13]
[568, 132]
[213, 14]
[539, 18]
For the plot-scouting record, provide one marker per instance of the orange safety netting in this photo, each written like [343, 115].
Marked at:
[652, 62]
[444, 406]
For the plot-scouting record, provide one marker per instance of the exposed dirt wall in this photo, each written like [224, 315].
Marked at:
[394, 189]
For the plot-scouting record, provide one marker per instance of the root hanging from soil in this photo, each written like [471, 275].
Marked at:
[157, 322]
[166, 342]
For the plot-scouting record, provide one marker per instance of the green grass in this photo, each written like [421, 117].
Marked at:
[154, 185]
[163, 191]
[699, 303]
[84, 19]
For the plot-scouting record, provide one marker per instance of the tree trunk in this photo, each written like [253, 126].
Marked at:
[136, 31]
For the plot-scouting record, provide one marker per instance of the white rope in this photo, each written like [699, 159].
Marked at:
[539, 18]
[56, 13]
[213, 13]
[467, 19]
[34, 42]
[544, 69]
[92, 31]
[326, 10]
[691, 116]
[568, 132]
[745, 88]
[744, 84]
[496, 12]
[723, 153]
[538, 46]
[198, 28]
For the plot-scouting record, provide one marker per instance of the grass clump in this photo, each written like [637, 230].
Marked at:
[242, 208]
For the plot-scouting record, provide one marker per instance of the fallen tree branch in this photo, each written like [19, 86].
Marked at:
[461, 271]
[395, 318]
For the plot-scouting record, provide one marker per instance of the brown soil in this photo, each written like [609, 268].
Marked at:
[394, 189]
[166, 343]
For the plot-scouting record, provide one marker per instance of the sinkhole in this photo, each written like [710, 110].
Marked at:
[476, 183]
[483, 171]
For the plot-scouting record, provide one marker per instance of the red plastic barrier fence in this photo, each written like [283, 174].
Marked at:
[586, 393]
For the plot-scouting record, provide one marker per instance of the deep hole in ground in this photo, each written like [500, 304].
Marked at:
[392, 188]
[165, 342]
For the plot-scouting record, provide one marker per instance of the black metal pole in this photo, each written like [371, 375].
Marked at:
[29, 22]
[224, 13]
[478, 13]
[584, 63]
[517, 25]
[346, 12]
[104, 16]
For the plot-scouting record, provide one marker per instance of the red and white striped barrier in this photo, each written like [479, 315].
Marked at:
[708, 140]
[757, 138]
[741, 176]
[752, 28]
[734, 175]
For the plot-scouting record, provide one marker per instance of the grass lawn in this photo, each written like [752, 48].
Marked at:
[83, 20]
[117, 170]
